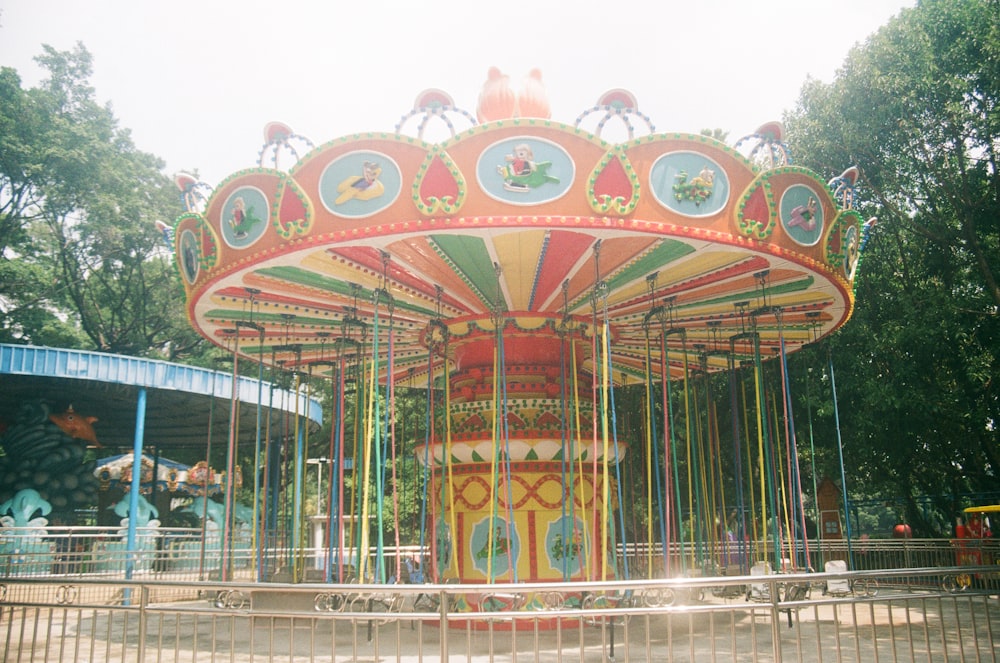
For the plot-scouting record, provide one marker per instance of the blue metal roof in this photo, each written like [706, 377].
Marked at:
[181, 400]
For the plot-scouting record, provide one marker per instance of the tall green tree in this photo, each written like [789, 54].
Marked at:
[917, 108]
[82, 262]
[25, 287]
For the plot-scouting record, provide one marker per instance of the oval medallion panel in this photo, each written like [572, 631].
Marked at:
[190, 255]
[525, 170]
[801, 214]
[246, 214]
[689, 183]
[359, 184]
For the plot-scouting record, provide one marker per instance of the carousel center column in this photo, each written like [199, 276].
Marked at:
[521, 497]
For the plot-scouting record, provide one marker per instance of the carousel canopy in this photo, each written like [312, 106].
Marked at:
[179, 405]
[115, 473]
[524, 222]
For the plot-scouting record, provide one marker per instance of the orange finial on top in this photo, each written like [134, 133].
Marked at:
[533, 101]
[496, 100]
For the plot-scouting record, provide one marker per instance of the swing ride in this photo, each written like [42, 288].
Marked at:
[524, 271]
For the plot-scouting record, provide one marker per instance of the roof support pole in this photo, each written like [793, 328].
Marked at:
[133, 496]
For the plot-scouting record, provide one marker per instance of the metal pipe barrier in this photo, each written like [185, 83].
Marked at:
[86, 550]
[812, 617]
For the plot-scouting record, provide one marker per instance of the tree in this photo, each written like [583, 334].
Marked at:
[24, 286]
[917, 109]
[82, 261]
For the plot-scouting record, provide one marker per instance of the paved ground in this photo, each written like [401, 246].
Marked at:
[892, 627]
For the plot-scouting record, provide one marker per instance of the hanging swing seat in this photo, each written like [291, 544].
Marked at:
[431, 602]
[760, 592]
[794, 592]
[689, 594]
[841, 587]
[730, 591]
[501, 602]
[383, 603]
[606, 603]
[657, 597]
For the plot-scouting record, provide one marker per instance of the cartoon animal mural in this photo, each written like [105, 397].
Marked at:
[47, 452]
[804, 216]
[521, 173]
[243, 218]
[698, 190]
[365, 186]
[501, 545]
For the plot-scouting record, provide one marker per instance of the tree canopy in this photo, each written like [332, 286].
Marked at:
[917, 109]
[81, 261]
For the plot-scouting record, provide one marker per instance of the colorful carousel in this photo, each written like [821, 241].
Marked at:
[525, 271]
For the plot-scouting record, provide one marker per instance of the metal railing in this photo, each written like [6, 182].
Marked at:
[854, 616]
[177, 552]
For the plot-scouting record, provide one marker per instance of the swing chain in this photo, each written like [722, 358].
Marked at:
[567, 325]
[382, 291]
[251, 300]
[499, 307]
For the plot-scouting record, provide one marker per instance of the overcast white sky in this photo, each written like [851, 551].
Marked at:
[197, 80]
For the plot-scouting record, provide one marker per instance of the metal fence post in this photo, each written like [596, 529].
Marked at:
[443, 628]
[775, 620]
[143, 602]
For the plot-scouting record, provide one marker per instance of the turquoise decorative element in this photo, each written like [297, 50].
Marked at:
[443, 546]
[185, 555]
[22, 537]
[213, 510]
[112, 555]
[142, 518]
[22, 507]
